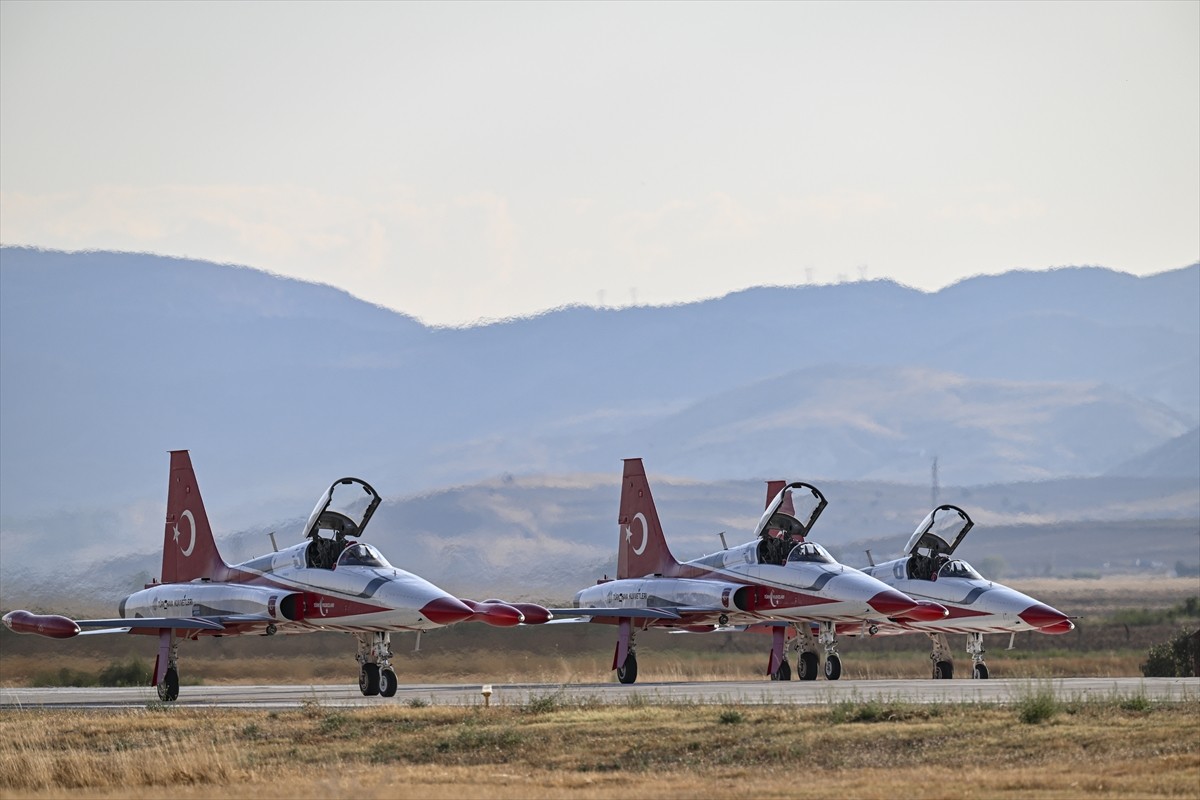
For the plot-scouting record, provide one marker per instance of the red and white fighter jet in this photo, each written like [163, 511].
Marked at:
[328, 582]
[976, 605]
[776, 581]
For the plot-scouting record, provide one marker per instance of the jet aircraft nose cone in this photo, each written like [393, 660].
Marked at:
[446, 610]
[1047, 619]
[891, 603]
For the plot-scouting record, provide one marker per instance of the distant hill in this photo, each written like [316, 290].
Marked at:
[1179, 456]
[108, 360]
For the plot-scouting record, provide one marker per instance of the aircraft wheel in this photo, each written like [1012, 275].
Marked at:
[627, 672]
[368, 679]
[387, 682]
[807, 666]
[943, 670]
[833, 667]
[783, 673]
[168, 688]
[980, 671]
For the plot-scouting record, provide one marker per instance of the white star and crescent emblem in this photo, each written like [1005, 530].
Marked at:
[187, 551]
[645, 533]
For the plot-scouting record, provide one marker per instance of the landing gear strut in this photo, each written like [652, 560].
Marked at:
[943, 663]
[808, 662]
[979, 670]
[833, 662]
[778, 667]
[627, 669]
[376, 676]
[168, 684]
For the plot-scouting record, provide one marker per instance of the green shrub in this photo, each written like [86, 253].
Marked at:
[63, 676]
[132, 673]
[1038, 705]
[1173, 659]
[730, 717]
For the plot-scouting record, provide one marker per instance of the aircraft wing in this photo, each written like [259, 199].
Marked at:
[158, 623]
[56, 626]
[631, 613]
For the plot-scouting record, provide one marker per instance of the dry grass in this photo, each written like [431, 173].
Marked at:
[474, 666]
[1091, 597]
[546, 750]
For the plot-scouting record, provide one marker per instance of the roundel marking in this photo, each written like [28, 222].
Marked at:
[187, 551]
[640, 517]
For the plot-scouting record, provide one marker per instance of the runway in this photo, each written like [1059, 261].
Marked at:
[701, 693]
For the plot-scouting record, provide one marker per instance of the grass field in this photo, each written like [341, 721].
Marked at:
[1036, 747]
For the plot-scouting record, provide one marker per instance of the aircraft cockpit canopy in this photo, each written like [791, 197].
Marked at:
[958, 569]
[809, 552]
[358, 554]
[942, 530]
[792, 513]
[344, 510]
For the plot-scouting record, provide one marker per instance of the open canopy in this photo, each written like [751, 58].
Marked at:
[792, 513]
[940, 532]
[344, 510]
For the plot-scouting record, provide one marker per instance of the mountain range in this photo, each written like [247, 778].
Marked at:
[277, 386]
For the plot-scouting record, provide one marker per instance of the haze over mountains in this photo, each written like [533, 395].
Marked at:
[278, 387]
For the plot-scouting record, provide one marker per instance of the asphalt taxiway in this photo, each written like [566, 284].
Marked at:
[703, 693]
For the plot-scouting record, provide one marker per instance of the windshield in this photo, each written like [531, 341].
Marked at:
[959, 569]
[811, 552]
[362, 555]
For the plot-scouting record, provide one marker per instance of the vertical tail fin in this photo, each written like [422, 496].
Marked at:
[773, 488]
[642, 548]
[189, 551]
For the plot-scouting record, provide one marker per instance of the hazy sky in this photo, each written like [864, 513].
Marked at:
[459, 161]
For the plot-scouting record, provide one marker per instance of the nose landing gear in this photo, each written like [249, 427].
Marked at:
[943, 663]
[979, 670]
[376, 676]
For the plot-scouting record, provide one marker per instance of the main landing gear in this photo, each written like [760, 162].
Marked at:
[808, 663]
[627, 672]
[627, 669]
[943, 663]
[778, 668]
[168, 684]
[376, 676]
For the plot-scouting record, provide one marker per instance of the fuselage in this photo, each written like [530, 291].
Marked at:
[976, 605]
[733, 584]
[280, 590]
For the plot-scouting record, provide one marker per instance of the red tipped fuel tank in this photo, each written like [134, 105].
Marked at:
[494, 612]
[52, 625]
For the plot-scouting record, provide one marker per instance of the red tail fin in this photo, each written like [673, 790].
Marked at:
[189, 551]
[642, 548]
